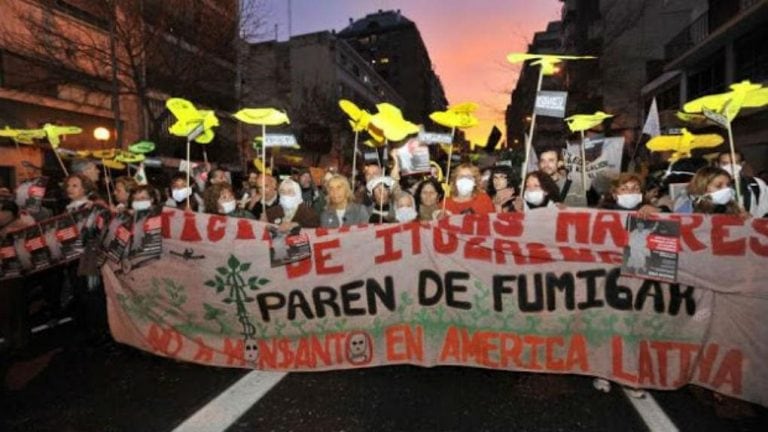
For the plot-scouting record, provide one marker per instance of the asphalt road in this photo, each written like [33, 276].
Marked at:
[63, 385]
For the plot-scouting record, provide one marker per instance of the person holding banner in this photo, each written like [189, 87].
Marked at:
[405, 207]
[124, 186]
[219, 198]
[466, 197]
[754, 192]
[179, 193]
[501, 189]
[429, 193]
[340, 210]
[627, 194]
[540, 192]
[711, 193]
[379, 190]
[550, 163]
[293, 211]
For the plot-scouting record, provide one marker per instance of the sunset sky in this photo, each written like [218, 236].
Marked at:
[467, 40]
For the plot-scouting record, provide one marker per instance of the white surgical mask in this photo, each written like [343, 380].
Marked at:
[735, 171]
[405, 214]
[228, 207]
[289, 202]
[534, 197]
[630, 200]
[141, 205]
[465, 186]
[181, 194]
[722, 196]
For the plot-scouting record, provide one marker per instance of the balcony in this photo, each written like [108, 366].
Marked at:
[689, 37]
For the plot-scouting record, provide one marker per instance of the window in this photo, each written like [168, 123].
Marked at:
[709, 79]
[751, 56]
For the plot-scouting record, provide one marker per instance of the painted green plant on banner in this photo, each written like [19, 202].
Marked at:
[231, 279]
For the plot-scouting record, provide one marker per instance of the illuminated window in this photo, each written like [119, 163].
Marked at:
[384, 60]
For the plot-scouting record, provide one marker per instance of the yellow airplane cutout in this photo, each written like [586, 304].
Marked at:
[262, 116]
[743, 95]
[104, 154]
[129, 157]
[22, 136]
[189, 119]
[582, 122]
[681, 145]
[390, 121]
[457, 116]
[293, 159]
[359, 118]
[548, 62]
[50, 131]
[259, 165]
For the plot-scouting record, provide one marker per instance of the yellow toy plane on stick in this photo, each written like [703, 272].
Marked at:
[547, 62]
[457, 116]
[390, 121]
[583, 122]
[681, 145]
[191, 122]
[743, 95]
[22, 136]
[262, 116]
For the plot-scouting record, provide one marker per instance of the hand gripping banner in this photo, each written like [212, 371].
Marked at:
[535, 292]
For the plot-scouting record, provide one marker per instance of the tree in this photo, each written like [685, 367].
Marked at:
[139, 51]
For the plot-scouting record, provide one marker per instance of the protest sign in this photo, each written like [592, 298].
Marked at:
[603, 160]
[550, 103]
[538, 292]
[652, 250]
[288, 247]
[413, 158]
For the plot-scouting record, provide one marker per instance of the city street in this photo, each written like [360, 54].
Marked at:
[63, 385]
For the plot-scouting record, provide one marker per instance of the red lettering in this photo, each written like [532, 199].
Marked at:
[164, 341]
[577, 353]
[442, 244]
[645, 365]
[415, 229]
[538, 253]
[390, 254]
[610, 223]
[578, 222]
[204, 353]
[474, 249]
[507, 247]
[234, 351]
[688, 223]
[508, 224]
[534, 342]
[322, 258]
[165, 230]
[475, 224]
[720, 233]
[578, 255]
[245, 230]
[550, 362]
[189, 232]
[730, 371]
[761, 226]
[617, 354]
[217, 227]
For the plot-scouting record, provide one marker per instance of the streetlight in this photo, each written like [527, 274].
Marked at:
[102, 134]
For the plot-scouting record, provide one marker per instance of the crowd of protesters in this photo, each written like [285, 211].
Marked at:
[377, 196]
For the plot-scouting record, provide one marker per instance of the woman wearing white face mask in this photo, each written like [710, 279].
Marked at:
[540, 192]
[179, 191]
[466, 196]
[292, 211]
[711, 192]
[405, 207]
[220, 199]
[627, 194]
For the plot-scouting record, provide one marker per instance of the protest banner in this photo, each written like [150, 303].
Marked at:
[536, 292]
[603, 159]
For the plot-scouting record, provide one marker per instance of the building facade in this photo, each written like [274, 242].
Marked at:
[93, 63]
[724, 43]
[307, 76]
[392, 45]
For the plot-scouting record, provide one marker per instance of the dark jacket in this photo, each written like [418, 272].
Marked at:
[305, 216]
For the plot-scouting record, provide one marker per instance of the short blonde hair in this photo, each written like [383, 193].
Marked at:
[337, 178]
[455, 174]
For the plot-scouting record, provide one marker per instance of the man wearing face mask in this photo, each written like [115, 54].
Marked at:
[179, 193]
[754, 192]
[466, 196]
[220, 199]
